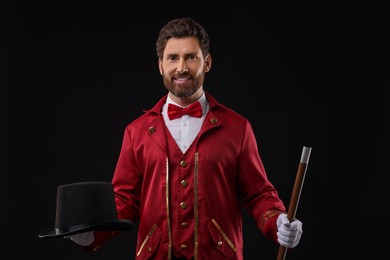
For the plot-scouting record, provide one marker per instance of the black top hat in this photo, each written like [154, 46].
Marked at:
[85, 206]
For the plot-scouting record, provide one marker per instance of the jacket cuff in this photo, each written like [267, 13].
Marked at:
[267, 224]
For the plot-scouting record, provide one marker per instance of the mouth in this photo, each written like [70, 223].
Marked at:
[182, 79]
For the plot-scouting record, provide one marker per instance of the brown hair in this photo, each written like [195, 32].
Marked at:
[180, 28]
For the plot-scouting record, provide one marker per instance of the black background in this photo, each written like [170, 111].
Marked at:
[73, 75]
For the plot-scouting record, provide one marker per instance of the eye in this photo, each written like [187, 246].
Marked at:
[171, 57]
[192, 57]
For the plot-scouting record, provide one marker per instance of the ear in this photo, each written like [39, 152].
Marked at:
[208, 62]
[160, 66]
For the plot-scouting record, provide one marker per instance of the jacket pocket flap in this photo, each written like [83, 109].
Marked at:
[220, 239]
[150, 244]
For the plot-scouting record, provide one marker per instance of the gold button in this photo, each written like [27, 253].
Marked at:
[183, 246]
[149, 249]
[183, 164]
[183, 205]
[152, 130]
[219, 243]
[214, 121]
[184, 183]
[184, 224]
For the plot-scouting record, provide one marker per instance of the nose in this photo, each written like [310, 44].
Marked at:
[182, 67]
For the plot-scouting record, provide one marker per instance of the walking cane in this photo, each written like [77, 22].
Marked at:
[296, 193]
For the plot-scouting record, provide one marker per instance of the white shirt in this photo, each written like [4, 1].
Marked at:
[185, 129]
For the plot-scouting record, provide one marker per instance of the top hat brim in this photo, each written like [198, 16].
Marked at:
[114, 225]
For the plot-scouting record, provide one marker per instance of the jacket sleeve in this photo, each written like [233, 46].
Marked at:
[100, 238]
[260, 198]
[127, 180]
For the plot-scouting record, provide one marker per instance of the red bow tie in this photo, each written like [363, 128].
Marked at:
[195, 110]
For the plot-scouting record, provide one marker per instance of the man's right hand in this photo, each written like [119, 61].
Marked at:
[82, 239]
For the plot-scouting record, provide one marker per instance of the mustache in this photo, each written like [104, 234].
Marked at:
[181, 75]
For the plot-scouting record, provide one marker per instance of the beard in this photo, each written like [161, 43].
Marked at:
[183, 90]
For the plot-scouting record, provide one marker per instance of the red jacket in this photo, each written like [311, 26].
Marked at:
[226, 169]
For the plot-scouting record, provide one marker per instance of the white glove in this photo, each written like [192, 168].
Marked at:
[289, 233]
[82, 239]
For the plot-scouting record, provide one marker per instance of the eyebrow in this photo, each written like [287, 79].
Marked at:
[185, 55]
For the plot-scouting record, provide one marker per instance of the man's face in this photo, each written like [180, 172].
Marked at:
[183, 66]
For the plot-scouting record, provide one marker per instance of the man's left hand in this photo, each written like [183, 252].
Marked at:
[289, 233]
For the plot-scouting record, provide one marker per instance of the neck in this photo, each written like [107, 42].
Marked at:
[188, 100]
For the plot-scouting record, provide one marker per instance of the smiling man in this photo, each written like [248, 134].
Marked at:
[186, 165]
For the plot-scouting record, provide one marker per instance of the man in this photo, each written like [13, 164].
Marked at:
[183, 177]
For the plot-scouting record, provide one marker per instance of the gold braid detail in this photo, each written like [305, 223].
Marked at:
[269, 214]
